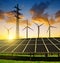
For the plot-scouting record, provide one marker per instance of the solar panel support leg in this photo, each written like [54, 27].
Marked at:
[12, 54]
[58, 55]
[46, 54]
[33, 54]
[30, 56]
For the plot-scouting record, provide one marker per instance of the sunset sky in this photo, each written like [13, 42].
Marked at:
[36, 11]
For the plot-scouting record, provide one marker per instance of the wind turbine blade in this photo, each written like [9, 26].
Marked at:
[36, 24]
[52, 26]
[5, 27]
[30, 28]
[10, 28]
[24, 28]
[41, 25]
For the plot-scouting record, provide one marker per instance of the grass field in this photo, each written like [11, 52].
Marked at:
[11, 61]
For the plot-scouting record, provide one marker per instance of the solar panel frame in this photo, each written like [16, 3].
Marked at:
[32, 46]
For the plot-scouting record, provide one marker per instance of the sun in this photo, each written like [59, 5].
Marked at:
[10, 37]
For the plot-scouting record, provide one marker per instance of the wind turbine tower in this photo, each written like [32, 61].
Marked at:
[27, 28]
[8, 30]
[38, 26]
[49, 29]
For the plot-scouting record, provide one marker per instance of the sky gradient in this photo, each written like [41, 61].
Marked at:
[8, 5]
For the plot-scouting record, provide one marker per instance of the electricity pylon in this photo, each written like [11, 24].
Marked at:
[17, 9]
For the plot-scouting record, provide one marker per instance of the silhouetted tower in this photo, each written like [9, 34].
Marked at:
[8, 30]
[49, 29]
[17, 9]
[27, 27]
[38, 26]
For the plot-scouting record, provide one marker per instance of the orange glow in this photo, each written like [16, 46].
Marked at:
[32, 34]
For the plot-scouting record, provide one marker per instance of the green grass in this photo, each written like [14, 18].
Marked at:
[27, 55]
[13, 61]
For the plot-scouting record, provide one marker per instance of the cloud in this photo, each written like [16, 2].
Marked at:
[40, 20]
[39, 15]
[9, 17]
[38, 10]
[45, 20]
[1, 15]
[12, 19]
[24, 23]
[57, 14]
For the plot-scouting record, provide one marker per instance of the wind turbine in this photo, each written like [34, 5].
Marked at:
[8, 30]
[38, 26]
[27, 28]
[49, 29]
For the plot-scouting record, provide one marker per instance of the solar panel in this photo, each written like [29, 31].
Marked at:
[32, 45]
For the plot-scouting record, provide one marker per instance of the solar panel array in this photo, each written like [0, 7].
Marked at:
[32, 45]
